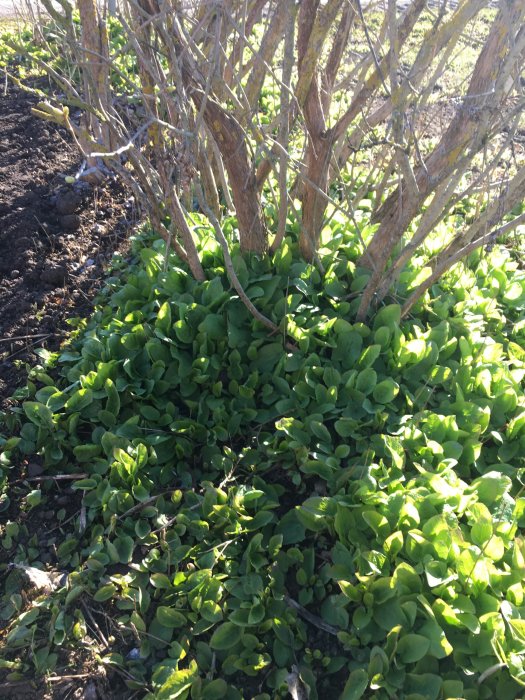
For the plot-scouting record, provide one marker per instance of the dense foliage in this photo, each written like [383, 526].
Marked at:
[351, 508]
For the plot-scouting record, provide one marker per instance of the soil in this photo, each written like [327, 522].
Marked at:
[55, 239]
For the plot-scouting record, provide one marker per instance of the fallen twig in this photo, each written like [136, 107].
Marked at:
[143, 504]
[57, 477]
[95, 625]
[24, 337]
[310, 617]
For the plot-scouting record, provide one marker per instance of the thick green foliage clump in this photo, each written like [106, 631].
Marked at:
[238, 492]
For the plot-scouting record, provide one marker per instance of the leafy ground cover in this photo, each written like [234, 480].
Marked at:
[343, 517]
[334, 509]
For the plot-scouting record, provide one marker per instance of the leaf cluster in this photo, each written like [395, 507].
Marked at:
[353, 508]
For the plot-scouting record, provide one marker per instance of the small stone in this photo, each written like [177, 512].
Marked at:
[67, 202]
[15, 274]
[70, 222]
[54, 275]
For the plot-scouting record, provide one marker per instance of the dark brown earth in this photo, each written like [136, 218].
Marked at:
[55, 239]
[55, 243]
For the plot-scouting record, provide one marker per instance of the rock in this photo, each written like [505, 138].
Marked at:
[54, 275]
[46, 581]
[67, 202]
[15, 274]
[70, 222]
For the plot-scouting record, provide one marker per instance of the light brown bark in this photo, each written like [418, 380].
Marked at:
[231, 142]
[466, 132]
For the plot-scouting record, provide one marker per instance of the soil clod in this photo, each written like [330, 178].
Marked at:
[67, 202]
[70, 222]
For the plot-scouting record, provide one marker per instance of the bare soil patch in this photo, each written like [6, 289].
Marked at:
[55, 239]
[55, 242]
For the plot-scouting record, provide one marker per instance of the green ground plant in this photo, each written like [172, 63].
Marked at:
[333, 505]
[349, 511]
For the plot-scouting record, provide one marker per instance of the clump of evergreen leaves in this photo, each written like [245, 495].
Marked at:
[352, 509]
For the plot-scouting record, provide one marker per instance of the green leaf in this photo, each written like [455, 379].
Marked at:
[113, 400]
[412, 351]
[169, 617]
[178, 684]
[412, 648]
[345, 427]
[163, 320]
[356, 685]
[491, 487]
[105, 592]
[86, 453]
[440, 647]
[34, 498]
[369, 356]
[225, 636]
[320, 431]
[84, 484]
[124, 546]
[38, 414]
[386, 391]
[73, 594]
[423, 685]
[389, 316]
[79, 400]
[518, 627]
[214, 326]
[366, 381]
[215, 690]
[160, 581]
[29, 617]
